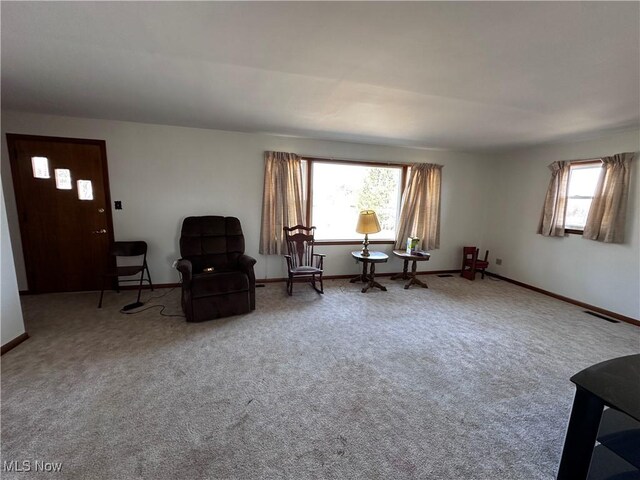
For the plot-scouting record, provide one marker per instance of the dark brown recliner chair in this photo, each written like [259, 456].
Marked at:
[217, 277]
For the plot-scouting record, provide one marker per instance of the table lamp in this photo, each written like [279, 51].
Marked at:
[367, 223]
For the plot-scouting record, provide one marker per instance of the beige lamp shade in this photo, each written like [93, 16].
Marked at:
[368, 222]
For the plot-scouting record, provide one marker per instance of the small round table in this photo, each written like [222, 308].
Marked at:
[369, 278]
[405, 275]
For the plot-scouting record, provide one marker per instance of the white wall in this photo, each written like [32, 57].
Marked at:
[163, 173]
[11, 322]
[604, 275]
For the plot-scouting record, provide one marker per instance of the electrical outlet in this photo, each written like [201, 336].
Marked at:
[498, 261]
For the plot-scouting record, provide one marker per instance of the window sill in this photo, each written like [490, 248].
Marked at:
[573, 231]
[353, 242]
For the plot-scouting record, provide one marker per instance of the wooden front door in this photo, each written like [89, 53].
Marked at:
[62, 195]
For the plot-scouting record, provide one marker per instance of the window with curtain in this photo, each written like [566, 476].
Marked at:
[337, 190]
[420, 211]
[607, 214]
[588, 198]
[583, 178]
[555, 201]
[282, 201]
[329, 194]
[340, 191]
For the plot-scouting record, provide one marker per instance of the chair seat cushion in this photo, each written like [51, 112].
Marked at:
[305, 270]
[220, 283]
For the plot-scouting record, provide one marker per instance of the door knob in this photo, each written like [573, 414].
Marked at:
[101, 231]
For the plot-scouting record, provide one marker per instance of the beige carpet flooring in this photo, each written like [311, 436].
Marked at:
[465, 380]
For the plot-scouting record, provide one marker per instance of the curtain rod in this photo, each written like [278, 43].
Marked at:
[351, 160]
[585, 160]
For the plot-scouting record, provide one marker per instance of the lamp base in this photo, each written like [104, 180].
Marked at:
[365, 245]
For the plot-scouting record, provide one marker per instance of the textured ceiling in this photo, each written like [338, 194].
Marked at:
[462, 75]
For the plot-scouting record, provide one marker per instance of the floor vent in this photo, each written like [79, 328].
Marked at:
[601, 316]
[445, 275]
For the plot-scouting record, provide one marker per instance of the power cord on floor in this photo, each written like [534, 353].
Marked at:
[149, 308]
[154, 306]
[163, 295]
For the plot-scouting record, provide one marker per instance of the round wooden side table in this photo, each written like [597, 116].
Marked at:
[370, 276]
[413, 279]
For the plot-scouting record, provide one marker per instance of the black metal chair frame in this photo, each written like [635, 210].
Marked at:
[127, 249]
[300, 259]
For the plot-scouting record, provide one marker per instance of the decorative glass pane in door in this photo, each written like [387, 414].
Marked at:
[40, 167]
[85, 190]
[63, 179]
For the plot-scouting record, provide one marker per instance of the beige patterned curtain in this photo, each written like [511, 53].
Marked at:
[606, 219]
[555, 203]
[282, 203]
[420, 211]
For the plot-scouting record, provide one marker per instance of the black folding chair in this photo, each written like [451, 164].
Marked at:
[127, 249]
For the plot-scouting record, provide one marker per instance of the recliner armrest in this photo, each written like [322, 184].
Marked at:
[246, 263]
[186, 269]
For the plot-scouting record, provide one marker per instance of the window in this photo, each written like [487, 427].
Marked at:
[85, 190]
[338, 191]
[40, 166]
[583, 178]
[63, 179]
